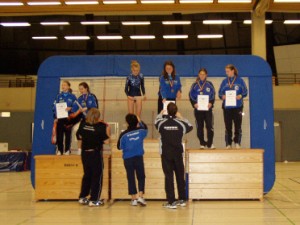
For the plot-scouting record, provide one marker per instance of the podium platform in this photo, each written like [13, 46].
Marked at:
[225, 174]
[59, 177]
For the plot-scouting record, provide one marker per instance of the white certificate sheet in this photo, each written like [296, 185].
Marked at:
[166, 105]
[61, 111]
[230, 98]
[203, 101]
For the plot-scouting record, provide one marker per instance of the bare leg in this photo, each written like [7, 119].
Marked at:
[130, 104]
[138, 107]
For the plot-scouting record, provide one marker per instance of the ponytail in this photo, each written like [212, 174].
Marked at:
[85, 85]
[232, 67]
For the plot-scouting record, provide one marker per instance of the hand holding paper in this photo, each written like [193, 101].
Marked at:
[203, 101]
[230, 98]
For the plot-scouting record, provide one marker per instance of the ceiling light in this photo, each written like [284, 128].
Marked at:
[81, 2]
[291, 22]
[43, 3]
[180, 36]
[5, 114]
[94, 22]
[196, 1]
[176, 22]
[140, 37]
[16, 24]
[157, 1]
[119, 2]
[234, 1]
[44, 38]
[136, 23]
[55, 23]
[286, 1]
[113, 37]
[209, 36]
[11, 3]
[77, 38]
[250, 21]
[216, 22]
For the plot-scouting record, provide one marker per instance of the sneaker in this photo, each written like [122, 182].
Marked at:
[134, 202]
[83, 201]
[181, 203]
[170, 206]
[228, 147]
[237, 146]
[141, 201]
[202, 147]
[212, 147]
[58, 153]
[67, 152]
[95, 203]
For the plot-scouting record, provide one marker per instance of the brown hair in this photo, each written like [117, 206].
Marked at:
[93, 116]
[69, 84]
[172, 109]
[135, 64]
[85, 85]
[201, 70]
[165, 74]
[232, 67]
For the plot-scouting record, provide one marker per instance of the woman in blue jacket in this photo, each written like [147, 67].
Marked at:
[203, 87]
[170, 85]
[135, 89]
[233, 113]
[63, 128]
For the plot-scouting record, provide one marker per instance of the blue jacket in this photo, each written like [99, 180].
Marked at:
[67, 97]
[135, 85]
[240, 87]
[208, 89]
[166, 90]
[86, 101]
[131, 141]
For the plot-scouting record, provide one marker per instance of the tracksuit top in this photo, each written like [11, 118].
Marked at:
[169, 87]
[202, 88]
[171, 131]
[131, 141]
[239, 86]
[67, 97]
[86, 101]
[135, 85]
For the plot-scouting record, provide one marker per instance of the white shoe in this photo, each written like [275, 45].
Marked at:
[83, 201]
[96, 203]
[170, 206]
[228, 147]
[67, 153]
[58, 153]
[134, 202]
[237, 146]
[212, 147]
[181, 203]
[141, 201]
[202, 147]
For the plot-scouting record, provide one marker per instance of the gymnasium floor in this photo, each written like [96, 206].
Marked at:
[280, 207]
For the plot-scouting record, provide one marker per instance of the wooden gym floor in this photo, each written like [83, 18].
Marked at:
[280, 207]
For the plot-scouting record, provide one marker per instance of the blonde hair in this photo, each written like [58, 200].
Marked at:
[135, 64]
[232, 67]
[93, 116]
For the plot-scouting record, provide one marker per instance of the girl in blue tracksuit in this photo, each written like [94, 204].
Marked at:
[131, 143]
[233, 114]
[64, 129]
[135, 89]
[170, 85]
[203, 87]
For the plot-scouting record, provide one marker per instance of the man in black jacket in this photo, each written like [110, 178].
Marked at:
[172, 128]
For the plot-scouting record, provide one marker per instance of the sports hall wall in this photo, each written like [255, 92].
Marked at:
[256, 72]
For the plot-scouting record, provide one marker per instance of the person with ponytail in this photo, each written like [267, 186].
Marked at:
[63, 128]
[170, 85]
[203, 87]
[135, 89]
[233, 114]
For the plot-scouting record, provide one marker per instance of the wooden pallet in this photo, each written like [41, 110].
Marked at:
[59, 177]
[225, 174]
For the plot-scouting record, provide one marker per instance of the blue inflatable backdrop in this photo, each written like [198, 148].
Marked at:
[255, 68]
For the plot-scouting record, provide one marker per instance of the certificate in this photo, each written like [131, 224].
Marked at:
[230, 98]
[165, 107]
[203, 101]
[61, 111]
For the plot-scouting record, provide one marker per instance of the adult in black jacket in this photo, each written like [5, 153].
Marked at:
[172, 128]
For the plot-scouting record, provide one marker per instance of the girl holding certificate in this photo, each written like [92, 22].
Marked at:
[202, 98]
[135, 89]
[232, 91]
[64, 101]
[170, 85]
